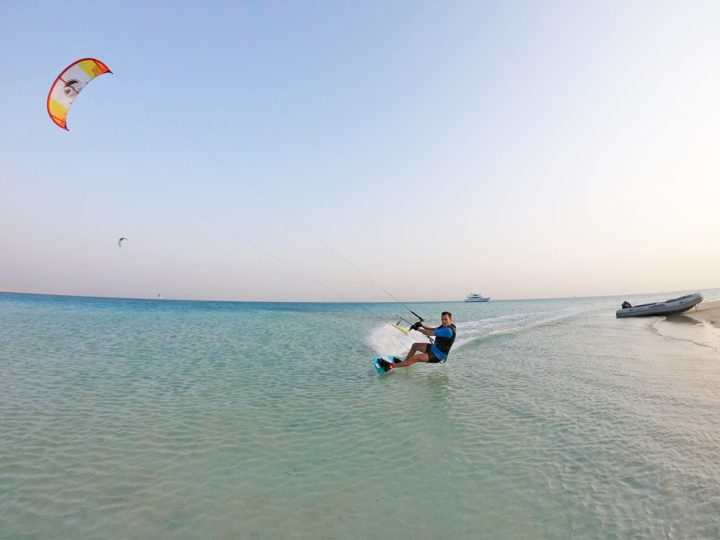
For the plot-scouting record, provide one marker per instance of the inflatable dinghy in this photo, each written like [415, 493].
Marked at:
[668, 307]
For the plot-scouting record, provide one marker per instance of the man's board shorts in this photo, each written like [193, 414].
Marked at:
[435, 355]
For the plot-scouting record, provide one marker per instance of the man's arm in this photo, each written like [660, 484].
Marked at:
[426, 330]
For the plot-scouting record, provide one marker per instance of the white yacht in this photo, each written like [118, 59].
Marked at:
[476, 297]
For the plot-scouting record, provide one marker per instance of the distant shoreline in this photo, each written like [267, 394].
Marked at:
[211, 300]
[453, 301]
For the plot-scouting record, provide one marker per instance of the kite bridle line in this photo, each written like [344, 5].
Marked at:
[263, 250]
[267, 198]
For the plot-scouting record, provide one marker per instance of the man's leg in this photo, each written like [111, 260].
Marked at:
[419, 357]
[416, 348]
[417, 353]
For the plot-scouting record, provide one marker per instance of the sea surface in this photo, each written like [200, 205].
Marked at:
[176, 419]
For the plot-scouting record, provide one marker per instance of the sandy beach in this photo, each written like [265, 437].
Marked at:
[700, 325]
[706, 312]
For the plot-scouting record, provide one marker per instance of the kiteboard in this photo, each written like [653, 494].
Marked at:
[378, 365]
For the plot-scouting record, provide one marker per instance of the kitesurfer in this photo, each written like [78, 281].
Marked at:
[431, 353]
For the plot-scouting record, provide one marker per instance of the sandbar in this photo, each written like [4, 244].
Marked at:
[700, 324]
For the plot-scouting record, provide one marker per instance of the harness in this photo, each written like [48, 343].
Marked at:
[445, 344]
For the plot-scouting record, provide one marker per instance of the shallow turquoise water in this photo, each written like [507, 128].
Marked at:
[159, 419]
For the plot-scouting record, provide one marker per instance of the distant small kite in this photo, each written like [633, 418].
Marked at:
[121, 240]
[69, 84]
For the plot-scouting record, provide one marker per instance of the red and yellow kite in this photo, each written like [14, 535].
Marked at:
[69, 84]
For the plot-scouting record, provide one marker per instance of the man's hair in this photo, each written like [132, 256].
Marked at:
[446, 313]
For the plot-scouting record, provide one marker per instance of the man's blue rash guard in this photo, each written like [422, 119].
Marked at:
[444, 339]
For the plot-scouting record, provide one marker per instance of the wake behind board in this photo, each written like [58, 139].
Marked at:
[379, 365]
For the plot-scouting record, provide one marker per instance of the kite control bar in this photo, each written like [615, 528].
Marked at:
[403, 330]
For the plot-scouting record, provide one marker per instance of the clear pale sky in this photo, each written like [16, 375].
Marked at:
[519, 149]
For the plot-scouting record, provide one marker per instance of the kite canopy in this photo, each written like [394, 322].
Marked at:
[69, 84]
[120, 241]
